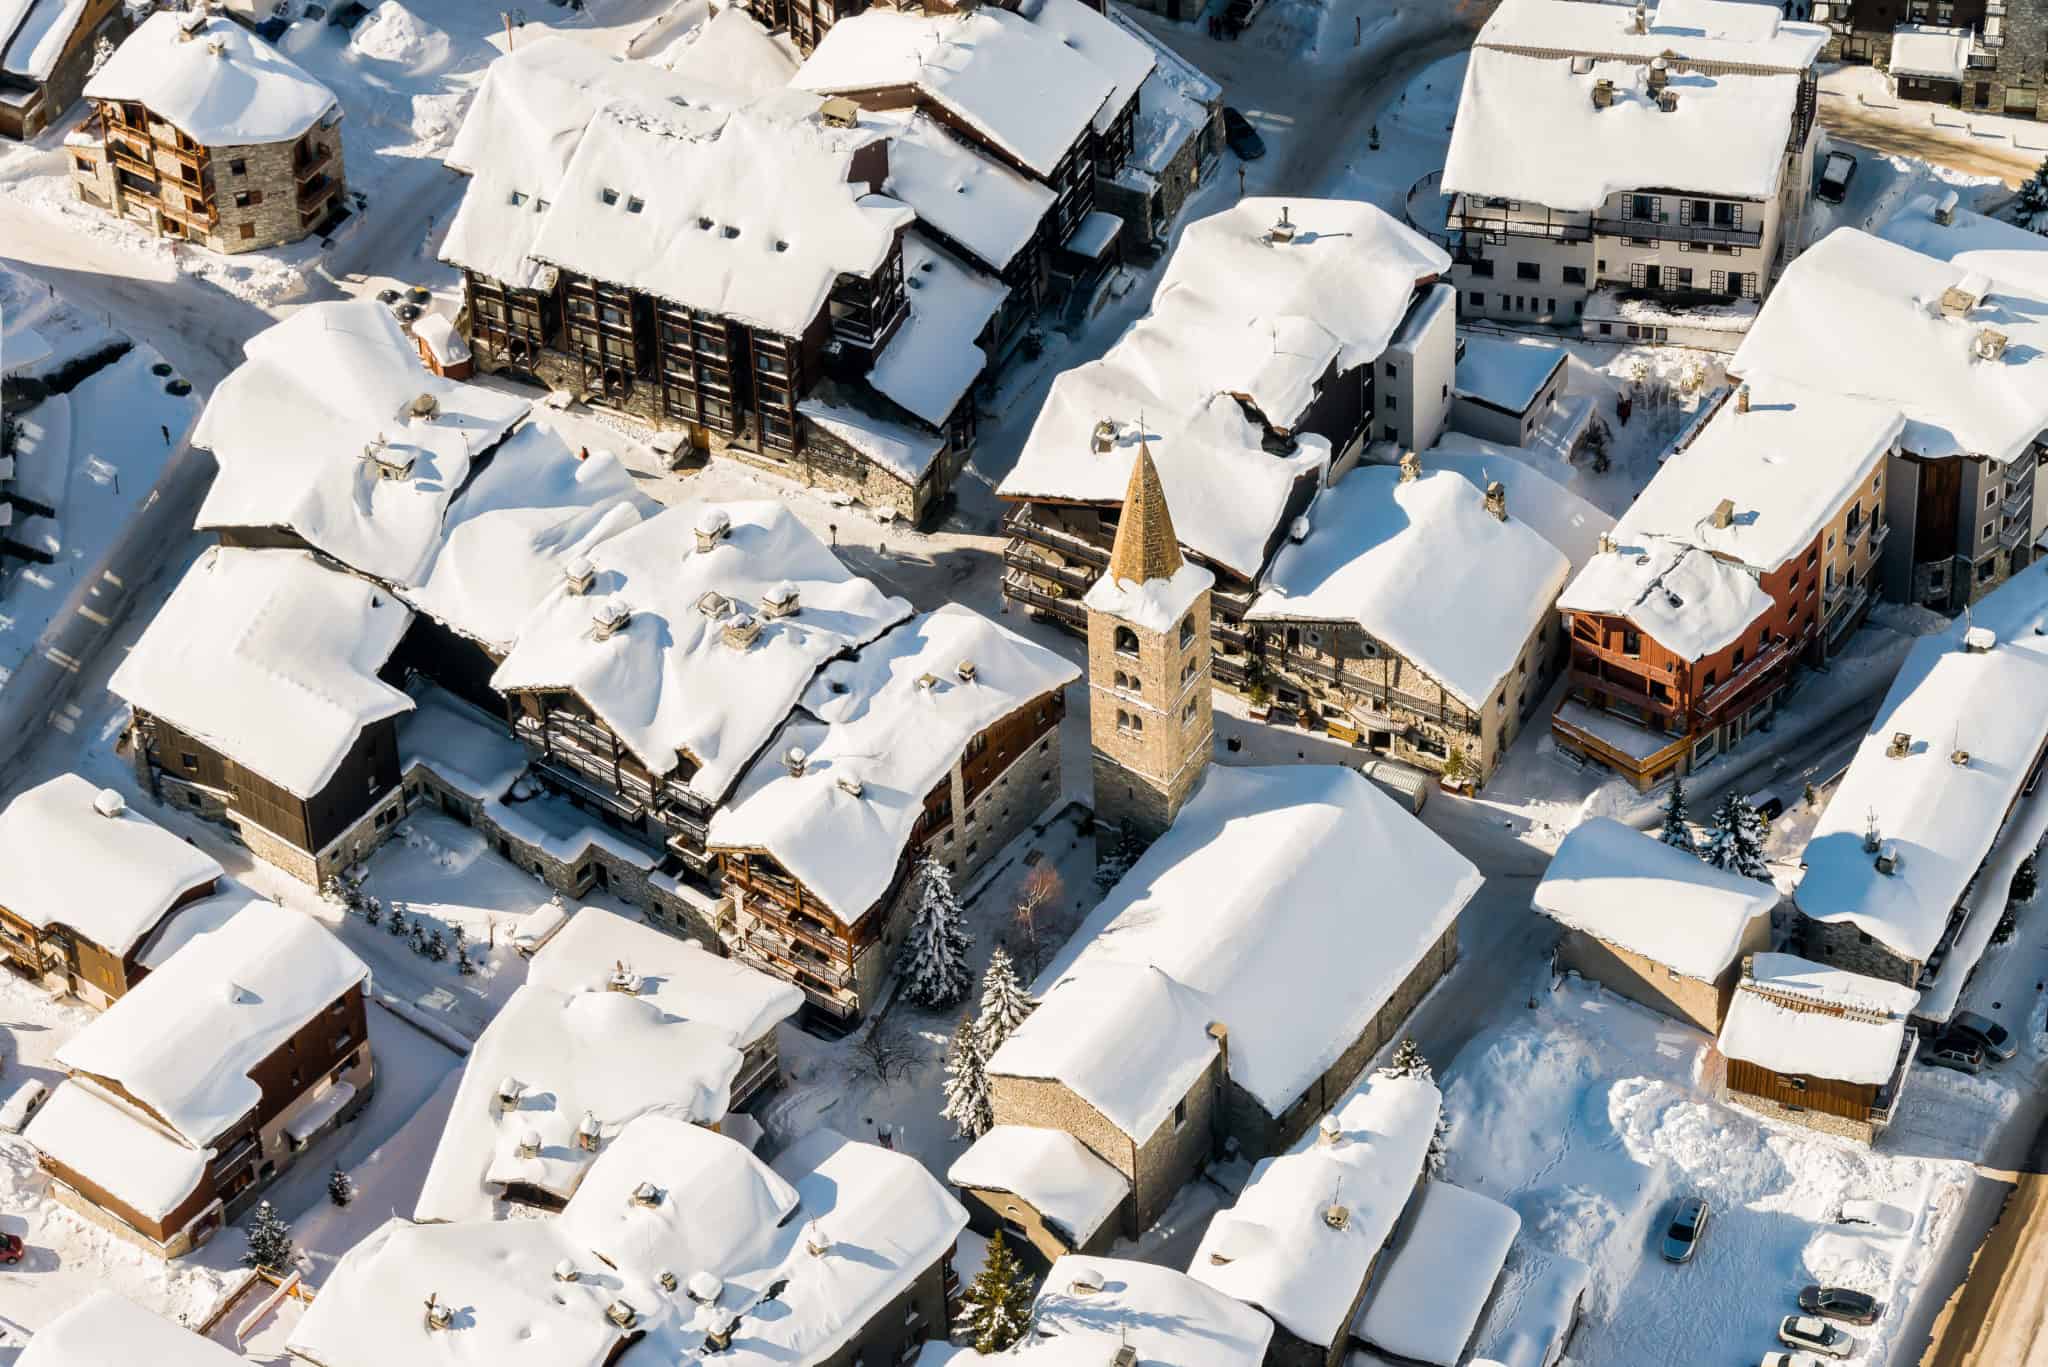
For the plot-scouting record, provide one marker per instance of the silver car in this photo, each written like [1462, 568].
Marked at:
[1688, 1223]
[1995, 1039]
[1815, 1335]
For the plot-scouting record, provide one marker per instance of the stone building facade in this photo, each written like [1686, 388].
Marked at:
[2007, 67]
[1701, 1001]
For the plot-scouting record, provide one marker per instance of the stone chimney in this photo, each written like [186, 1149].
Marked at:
[713, 526]
[1603, 93]
[578, 575]
[1945, 211]
[1742, 397]
[780, 601]
[1497, 500]
[1283, 231]
[1411, 467]
[1724, 513]
[796, 761]
[608, 619]
[1641, 21]
[1659, 75]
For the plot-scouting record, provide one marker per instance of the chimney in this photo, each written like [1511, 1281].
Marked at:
[1888, 859]
[742, 630]
[966, 670]
[1298, 530]
[1497, 500]
[217, 46]
[608, 619]
[1742, 397]
[578, 575]
[439, 1316]
[425, 407]
[704, 1287]
[529, 1144]
[1104, 440]
[849, 785]
[622, 1313]
[565, 1271]
[1126, 1356]
[1660, 74]
[1603, 93]
[1328, 1132]
[1959, 758]
[587, 1132]
[646, 1194]
[1901, 746]
[1605, 545]
[1945, 211]
[1979, 640]
[388, 462]
[109, 803]
[780, 601]
[1087, 1281]
[1642, 19]
[1336, 1215]
[666, 1278]
[1988, 344]
[1724, 513]
[816, 1240]
[713, 526]
[1283, 231]
[796, 760]
[718, 1333]
[1667, 100]
[1411, 467]
[622, 978]
[714, 604]
[839, 112]
[509, 1092]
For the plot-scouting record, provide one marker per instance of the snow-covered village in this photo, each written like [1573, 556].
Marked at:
[814, 683]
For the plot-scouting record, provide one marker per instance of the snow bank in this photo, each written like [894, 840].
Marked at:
[219, 83]
[1428, 1298]
[1051, 1170]
[392, 33]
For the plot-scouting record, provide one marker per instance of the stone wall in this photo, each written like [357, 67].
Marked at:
[1144, 774]
[1862, 1131]
[67, 79]
[1839, 944]
[2022, 61]
[1661, 988]
[1042, 1242]
[271, 185]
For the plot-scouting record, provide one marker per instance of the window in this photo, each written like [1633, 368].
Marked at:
[1187, 631]
[1477, 298]
[1390, 432]
[1187, 714]
[1483, 268]
[1187, 671]
[189, 761]
[241, 199]
[1126, 641]
[1739, 656]
[1990, 530]
[1393, 371]
[1129, 722]
[1797, 1084]
[1387, 401]
[255, 196]
[1550, 306]
[1528, 270]
[1991, 498]
[238, 167]
[1574, 275]
[1180, 1113]
[1682, 278]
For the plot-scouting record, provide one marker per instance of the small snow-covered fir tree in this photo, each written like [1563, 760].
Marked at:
[340, 1190]
[1004, 1003]
[995, 1309]
[2030, 208]
[2026, 881]
[437, 948]
[1677, 830]
[934, 965]
[102, 53]
[1408, 1062]
[1457, 769]
[968, 1103]
[270, 1240]
[1736, 843]
[398, 925]
[1439, 1147]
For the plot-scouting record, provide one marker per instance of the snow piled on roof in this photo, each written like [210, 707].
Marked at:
[272, 660]
[1800, 1034]
[1276, 1250]
[1855, 314]
[754, 218]
[106, 1328]
[1375, 554]
[110, 879]
[610, 1056]
[1504, 372]
[182, 1041]
[1252, 910]
[903, 449]
[1688, 600]
[1235, 314]
[1118, 50]
[1974, 242]
[467, 748]
[34, 34]
[933, 360]
[1168, 1317]
[667, 683]
[1633, 891]
[1527, 128]
[1942, 818]
[679, 975]
[1735, 31]
[534, 509]
[731, 51]
[1055, 1173]
[1923, 50]
[1790, 465]
[1435, 1286]
[978, 202]
[893, 721]
[1175, 103]
[222, 87]
[436, 332]
[1010, 80]
[304, 427]
[1155, 604]
[1559, 515]
[108, 1143]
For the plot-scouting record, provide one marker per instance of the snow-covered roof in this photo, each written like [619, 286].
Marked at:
[1924, 50]
[319, 431]
[1155, 604]
[754, 218]
[1176, 102]
[73, 855]
[933, 359]
[1012, 81]
[667, 682]
[592, 1052]
[216, 81]
[1688, 600]
[1535, 496]
[1090, 1307]
[1505, 373]
[1858, 315]
[106, 1328]
[1973, 241]
[977, 201]
[1538, 1303]
[1429, 1296]
[1789, 465]
[1633, 891]
[1051, 1170]
[1250, 911]
[1375, 553]
[892, 721]
[1118, 50]
[183, 1041]
[271, 659]
[532, 511]
[904, 449]
[1788, 1015]
[1236, 314]
[679, 975]
[133, 1159]
[35, 33]
[1738, 32]
[731, 51]
[193, 920]
[1278, 1250]
[1941, 818]
[1528, 128]
[465, 747]
[436, 332]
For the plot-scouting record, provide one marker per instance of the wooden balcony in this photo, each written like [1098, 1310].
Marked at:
[1444, 711]
[316, 193]
[1021, 524]
[1019, 555]
[793, 929]
[1018, 587]
[1639, 768]
[1726, 692]
[1658, 231]
[1634, 664]
[1493, 224]
[1624, 690]
[305, 168]
[835, 1001]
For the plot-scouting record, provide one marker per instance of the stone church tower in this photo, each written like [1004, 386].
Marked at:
[1149, 718]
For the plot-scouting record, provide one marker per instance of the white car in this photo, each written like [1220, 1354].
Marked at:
[1812, 1332]
[22, 1106]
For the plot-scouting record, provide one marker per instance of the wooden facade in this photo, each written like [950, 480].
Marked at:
[1855, 1101]
[27, 107]
[58, 954]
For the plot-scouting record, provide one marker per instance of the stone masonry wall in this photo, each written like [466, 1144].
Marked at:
[1862, 1131]
[1840, 944]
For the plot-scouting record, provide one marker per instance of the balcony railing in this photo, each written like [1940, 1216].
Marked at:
[1019, 555]
[308, 167]
[1767, 659]
[2013, 533]
[1495, 225]
[1020, 523]
[836, 1001]
[2017, 497]
[1018, 587]
[1635, 694]
[1614, 758]
[768, 912]
[317, 192]
[1679, 232]
[1439, 709]
[1840, 617]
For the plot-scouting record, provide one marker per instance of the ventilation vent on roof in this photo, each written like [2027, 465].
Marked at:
[529, 1144]
[622, 978]
[1603, 93]
[667, 1279]
[1605, 545]
[587, 1132]
[742, 629]
[729, 231]
[1959, 758]
[1660, 73]
[1497, 500]
[217, 46]
[509, 1092]
[796, 761]
[815, 1238]
[1126, 1356]
[927, 682]
[608, 195]
[1411, 467]
[1724, 513]
[1297, 530]
[579, 574]
[1888, 860]
[1988, 344]
[1336, 1216]
[439, 1316]
[608, 619]
[1872, 837]
[1945, 211]
[1667, 100]
[718, 1333]
[1742, 398]
[705, 1286]
[1582, 66]
[634, 204]
[851, 786]
[1641, 22]
[1282, 231]
[780, 601]
[390, 462]
[1958, 300]
[622, 1313]
[714, 604]
[1901, 746]
[1674, 600]
[647, 1194]
[565, 1271]
[1104, 440]
[234, 994]
[1328, 1131]
[713, 526]
[839, 112]
[109, 803]
[966, 671]
[1980, 640]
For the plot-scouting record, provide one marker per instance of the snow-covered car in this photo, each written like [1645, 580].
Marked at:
[1682, 1236]
[1780, 1358]
[1839, 1303]
[1804, 1331]
[1996, 1039]
[1835, 174]
[22, 1106]
[1959, 1052]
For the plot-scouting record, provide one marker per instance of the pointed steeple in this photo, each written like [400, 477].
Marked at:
[1146, 547]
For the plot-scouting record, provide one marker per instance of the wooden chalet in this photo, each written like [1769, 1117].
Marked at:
[1817, 1046]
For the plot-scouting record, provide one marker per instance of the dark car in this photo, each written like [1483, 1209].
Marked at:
[1959, 1052]
[1835, 174]
[1839, 1303]
[1997, 1041]
[1242, 137]
[1682, 1239]
[10, 1248]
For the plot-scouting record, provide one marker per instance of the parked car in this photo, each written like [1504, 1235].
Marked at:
[1804, 1331]
[1835, 174]
[1959, 1052]
[1839, 1303]
[1242, 137]
[22, 1106]
[1768, 804]
[1780, 1359]
[1682, 1238]
[10, 1248]
[1995, 1038]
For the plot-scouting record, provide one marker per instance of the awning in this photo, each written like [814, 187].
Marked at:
[1094, 235]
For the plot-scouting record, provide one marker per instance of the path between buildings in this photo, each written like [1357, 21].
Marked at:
[1953, 148]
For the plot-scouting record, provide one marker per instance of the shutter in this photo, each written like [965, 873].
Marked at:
[1685, 214]
[1638, 274]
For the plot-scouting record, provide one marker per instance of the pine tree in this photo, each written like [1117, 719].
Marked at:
[340, 1190]
[935, 956]
[2030, 209]
[968, 1103]
[1677, 829]
[1004, 1003]
[2026, 881]
[373, 910]
[1408, 1062]
[270, 1241]
[1736, 843]
[397, 924]
[1123, 852]
[437, 948]
[1457, 769]
[1439, 1147]
[995, 1309]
